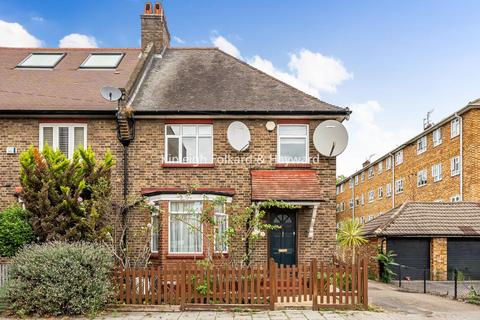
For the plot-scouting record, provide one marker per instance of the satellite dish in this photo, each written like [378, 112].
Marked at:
[330, 138]
[238, 136]
[111, 93]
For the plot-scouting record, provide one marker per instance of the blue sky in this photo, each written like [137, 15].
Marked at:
[390, 61]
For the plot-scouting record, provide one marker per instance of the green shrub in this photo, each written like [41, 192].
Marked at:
[15, 231]
[386, 260]
[60, 278]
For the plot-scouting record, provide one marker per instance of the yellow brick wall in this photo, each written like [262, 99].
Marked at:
[412, 163]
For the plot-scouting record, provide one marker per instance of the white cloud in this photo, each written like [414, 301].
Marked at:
[368, 137]
[13, 34]
[308, 71]
[225, 45]
[76, 40]
[178, 40]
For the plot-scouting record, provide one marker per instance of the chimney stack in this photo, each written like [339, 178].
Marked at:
[366, 163]
[154, 27]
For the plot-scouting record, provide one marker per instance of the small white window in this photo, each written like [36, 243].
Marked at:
[399, 157]
[342, 189]
[422, 145]
[185, 227]
[455, 198]
[154, 234]
[102, 60]
[454, 128]
[455, 166]
[221, 227]
[41, 60]
[362, 199]
[380, 192]
[292, 146]
[356, 180]
[371, 196]
[437, 137]
[399, 186]
[388, 163]
[370, 172]
[350, 203]
[350, 183]
[421, 178]
[63, 136]
[380, 167]
[362, 176]
[388, 190]
[189, 143]
[437, 172]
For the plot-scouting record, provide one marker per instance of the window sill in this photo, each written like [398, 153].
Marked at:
[293, 165]
[188, 165]
[185, 256]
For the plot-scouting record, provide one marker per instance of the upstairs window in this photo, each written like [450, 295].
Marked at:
[342, 188]
[380, 192]
[362, 199]
[46, 60]
[102, 60]
[64, 137]
[293, 143]
[350, 203]
[370, 172]
[388, 190]
[356, 180]
[388, 163]
[437, 172]
[371, 196]
[421, 178]
[189, 143]
[399, 157]
[350, 183]
[362, 176]
[437, 137]
[399, 186]
[454, 128]
[455, 166]
[422, 145]
[380, 167]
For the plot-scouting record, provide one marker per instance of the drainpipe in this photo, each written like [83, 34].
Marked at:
[393, 179]
[460, 122]
[353, 197]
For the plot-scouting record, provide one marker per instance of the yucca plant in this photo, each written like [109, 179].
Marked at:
[350, 237]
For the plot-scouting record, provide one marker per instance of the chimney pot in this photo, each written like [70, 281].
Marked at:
[158, 8]
[148, 8]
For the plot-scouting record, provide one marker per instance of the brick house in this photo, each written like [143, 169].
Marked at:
[435, 236]
[440, 164]
[174, 150]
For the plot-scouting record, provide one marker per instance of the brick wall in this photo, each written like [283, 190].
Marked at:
[438, 259]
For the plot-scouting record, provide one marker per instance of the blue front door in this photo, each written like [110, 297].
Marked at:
[282, 241]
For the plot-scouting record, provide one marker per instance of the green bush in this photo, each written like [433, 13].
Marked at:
[60, 278]
[15, 231]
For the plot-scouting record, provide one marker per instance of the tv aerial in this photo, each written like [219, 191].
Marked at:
[330, 138]
[111, 93]
[238, 136]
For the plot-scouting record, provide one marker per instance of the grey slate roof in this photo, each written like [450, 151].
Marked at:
[209, 81]
[427, 219]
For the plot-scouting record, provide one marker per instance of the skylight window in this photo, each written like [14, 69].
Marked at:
[41, 60]
[102, 60]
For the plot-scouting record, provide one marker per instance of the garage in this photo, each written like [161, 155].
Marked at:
[411, 252]
[463, 254]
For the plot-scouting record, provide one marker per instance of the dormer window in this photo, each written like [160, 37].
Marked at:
[46, 60]
[102, 60]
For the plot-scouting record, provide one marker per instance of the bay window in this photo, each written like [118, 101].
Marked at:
[189, 143]
[221, 225]
[292, 144]
[63, 136]
[185, 227]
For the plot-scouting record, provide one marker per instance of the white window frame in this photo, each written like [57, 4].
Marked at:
[60, 55]
[380, 167]
[380, 192]
[362, 176]
[388, 163]
[169, 233]
[342, 188]
[356, 179]
[398, 183]
[455, 198]
[306, 137]
[371, 196]
[350, 183]
[422, 145]
[120, 54]
[437, 172]
[362, 199]
[454, 128]
[399, 157]
[388, 190]
[224, 215]
[437, 137]
[422, 178]
[455, 161]
[71, 135]
[350, 203]
[370, 172]
[180, 142]
[152, 233]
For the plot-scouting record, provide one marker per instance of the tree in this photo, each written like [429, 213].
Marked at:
[63, 196]
[350, 237]
[341, 178]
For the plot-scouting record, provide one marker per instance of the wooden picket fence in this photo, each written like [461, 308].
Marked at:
[336, 285]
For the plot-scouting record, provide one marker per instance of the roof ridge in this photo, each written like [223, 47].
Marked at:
[385, 225]
[292, 88]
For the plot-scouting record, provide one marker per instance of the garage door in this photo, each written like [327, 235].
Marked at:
[464, 255]
[411, 252]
